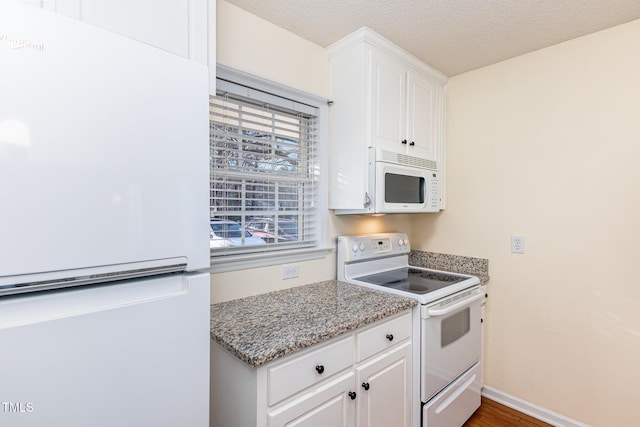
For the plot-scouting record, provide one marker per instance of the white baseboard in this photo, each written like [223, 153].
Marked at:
[530, 409]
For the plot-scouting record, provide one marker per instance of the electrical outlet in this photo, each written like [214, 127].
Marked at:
[290, 271]
[517, 244]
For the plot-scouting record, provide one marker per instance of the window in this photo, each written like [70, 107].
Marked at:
[266, 192]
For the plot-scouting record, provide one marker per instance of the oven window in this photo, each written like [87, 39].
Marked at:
[454, 327]
[403, 188]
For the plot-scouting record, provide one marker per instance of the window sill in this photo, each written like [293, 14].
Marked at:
[225, 263]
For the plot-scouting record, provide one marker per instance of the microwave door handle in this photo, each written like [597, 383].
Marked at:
[432, 312]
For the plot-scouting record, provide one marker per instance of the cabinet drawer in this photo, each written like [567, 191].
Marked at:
[298, 373]
[326, 405]
[382, 336]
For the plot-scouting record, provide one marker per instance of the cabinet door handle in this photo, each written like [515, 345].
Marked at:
[390, 337]
[352, 395]
[404, 141]
[320, 369]
[412, 143]
[365, 386]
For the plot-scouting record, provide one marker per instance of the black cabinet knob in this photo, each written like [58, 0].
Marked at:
[412, 143]
[352, 395]
[404, 141]
[390, 337]
[320, 369]
[365, 386]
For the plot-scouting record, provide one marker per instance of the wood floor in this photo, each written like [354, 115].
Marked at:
[493, 414]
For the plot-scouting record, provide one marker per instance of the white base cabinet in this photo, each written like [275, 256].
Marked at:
[385, 393]
[326, 405]
[362, 378]
[385, 98]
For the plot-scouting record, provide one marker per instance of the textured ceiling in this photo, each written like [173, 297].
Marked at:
[453, 36]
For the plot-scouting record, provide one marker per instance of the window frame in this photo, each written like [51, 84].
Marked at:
[238, 261]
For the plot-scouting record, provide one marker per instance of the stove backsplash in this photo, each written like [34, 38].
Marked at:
[478, 267]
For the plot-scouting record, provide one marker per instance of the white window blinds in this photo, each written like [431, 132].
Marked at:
[263, 172]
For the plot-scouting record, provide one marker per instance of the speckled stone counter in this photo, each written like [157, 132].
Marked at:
[478, 267]
[261, 328]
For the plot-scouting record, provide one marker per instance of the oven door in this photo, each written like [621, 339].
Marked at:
[450, 341]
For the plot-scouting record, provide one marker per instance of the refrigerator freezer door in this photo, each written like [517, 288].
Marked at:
[104, 148]
[130, 354]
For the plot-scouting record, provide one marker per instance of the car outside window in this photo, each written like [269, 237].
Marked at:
[225, 233]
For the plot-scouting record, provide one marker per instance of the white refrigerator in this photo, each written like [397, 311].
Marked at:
[104, 172]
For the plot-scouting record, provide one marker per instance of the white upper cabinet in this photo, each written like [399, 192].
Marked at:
[388, 101]
[407, 106]
[385, 98]
[382, 97]
[425, 117]
[183, 27]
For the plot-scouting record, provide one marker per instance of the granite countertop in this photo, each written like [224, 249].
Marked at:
[262, 328]
[478, 267]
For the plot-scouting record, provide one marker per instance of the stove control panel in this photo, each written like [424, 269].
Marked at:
[381, 245]
[354, 248]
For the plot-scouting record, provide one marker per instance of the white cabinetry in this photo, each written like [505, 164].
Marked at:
[407, 108]
[362, 378]
[327, 405]
[183, 27]
[425, 117]
[385, 389]
[385, 98]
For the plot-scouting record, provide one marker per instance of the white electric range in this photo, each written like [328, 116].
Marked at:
[447, 320]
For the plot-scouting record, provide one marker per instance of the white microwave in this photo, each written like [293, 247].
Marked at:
[404, 184]
[399, 183]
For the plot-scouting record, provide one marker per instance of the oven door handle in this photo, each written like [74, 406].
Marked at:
[433, 312]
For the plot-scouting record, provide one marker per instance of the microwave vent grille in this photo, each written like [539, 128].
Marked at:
[404, 159]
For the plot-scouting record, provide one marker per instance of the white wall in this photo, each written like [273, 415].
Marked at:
[547, 145]
[249, 43]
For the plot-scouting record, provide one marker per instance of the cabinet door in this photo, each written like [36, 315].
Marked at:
[178, 26]
[326, 405]
[422, 116]
[166, 27]
[384, 389]
[388, 78]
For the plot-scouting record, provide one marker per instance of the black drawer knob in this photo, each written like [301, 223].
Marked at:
[320, 369]
[390, 337]
[352, 395]
[365, 386]
[412, 143]
[404, 141]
